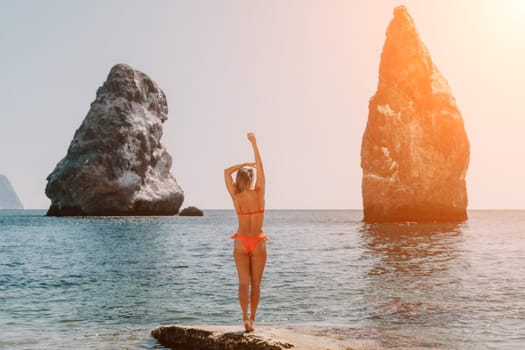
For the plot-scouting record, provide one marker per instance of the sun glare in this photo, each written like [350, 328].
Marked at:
[514, 14]
[503, 22]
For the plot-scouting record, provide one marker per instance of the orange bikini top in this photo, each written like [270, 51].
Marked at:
[260, 211]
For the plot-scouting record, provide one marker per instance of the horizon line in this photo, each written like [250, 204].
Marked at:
[316, 209]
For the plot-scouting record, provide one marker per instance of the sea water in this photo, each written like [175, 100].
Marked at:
[105, 282]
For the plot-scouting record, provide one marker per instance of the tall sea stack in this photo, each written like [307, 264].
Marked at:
[116, 164]
[415, 151]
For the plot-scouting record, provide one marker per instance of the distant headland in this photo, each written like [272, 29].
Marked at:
[8, 197]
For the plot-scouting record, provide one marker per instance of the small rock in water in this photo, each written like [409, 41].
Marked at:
[415, 151]
[191, 211]
[116, 164]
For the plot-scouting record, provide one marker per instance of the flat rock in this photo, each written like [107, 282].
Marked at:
[116, 164]
[233, 338]
[415, 151]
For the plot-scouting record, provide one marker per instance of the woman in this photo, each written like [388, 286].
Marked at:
[249, 249]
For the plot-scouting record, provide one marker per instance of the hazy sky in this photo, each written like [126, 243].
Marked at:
[297, 73]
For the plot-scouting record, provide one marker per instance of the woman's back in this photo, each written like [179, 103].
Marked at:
[250, 212]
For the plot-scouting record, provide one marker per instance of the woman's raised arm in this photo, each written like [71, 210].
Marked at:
[260, 184]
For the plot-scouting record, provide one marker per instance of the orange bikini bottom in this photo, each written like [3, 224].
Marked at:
[250, 242]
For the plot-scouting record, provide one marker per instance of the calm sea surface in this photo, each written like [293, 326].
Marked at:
[103, 283]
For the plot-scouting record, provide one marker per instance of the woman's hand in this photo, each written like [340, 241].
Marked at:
[251, 137]
[248, 164]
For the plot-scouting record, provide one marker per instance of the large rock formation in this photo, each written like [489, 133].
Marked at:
[8, 196]
[415, 151]
[115, 164]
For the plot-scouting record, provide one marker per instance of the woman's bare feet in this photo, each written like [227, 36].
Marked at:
[252, 325]
[248, 325]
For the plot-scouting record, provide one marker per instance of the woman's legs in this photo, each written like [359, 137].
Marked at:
[258, 261]
[242, 261]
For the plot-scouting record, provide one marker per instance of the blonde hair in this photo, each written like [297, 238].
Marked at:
[243, 180]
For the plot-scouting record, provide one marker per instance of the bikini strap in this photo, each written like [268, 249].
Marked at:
[252, 212]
